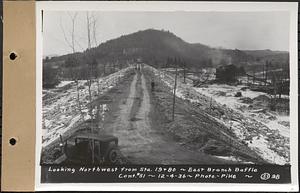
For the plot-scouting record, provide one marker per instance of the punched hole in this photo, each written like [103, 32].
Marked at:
[12, 141]
[12, 56]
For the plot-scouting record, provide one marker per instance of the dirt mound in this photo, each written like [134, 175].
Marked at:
[261, 101]
[214, 147]
[186, 131]
[220, 93]
[261, 98]
[246, 100]
[244, 88]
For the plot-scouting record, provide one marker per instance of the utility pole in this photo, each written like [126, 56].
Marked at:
[248, 79]
[210, 105]
[174, 94]
[263, 77]
[266, 72]
[253, 78]
[184, 71]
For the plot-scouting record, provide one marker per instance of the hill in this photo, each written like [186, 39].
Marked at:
[156, 46]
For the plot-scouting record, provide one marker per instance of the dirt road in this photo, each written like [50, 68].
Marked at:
[136, 122]
[141, 118]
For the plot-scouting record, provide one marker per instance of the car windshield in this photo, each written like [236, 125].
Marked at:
[79, 140]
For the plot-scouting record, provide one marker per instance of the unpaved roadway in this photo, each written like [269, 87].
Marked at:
[134, 119]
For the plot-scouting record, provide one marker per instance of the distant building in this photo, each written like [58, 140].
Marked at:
[227, 73]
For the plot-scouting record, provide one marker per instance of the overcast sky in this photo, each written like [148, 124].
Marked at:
[241, 30]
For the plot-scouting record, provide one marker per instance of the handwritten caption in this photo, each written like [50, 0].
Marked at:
[169, 173]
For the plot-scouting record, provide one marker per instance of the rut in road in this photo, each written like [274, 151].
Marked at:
[135, 115]
[139, 141]
[142, 124]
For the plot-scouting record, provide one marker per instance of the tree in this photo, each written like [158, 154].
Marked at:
[241, 71]
[174, 93]
[104, 68]
[209, 62]
[223, 62]
[273, 94]
[50, 77]
[169, 62]
[184, 70]
[70, 42]
[72, 64]
[92, 66]
[72, 61]
[94, 28]
[278, 84]
[94, 71]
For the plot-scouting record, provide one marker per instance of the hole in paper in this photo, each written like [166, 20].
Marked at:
[12, 141]
[12, 56]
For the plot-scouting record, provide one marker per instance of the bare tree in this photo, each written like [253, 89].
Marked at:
[90, 66]
[94, 28]
[104, 67]
[174, 91]
[276, 84]
[88, 23]
[184, 71]
[92, 31]
[71, 43]
[89, 61]
[68, 41]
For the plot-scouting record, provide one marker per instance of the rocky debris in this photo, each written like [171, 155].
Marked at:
[196, 126]
[214, 147]
[265, 141]
[238, 94]
[284, 123]
[221, 93]
[272, 118]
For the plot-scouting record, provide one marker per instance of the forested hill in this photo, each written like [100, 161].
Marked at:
[156, 46]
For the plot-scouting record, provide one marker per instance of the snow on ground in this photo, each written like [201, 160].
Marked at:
[233, 158]
[224, 94]
[267, 133]
[61, 110]
[64, 83]
[260, 144]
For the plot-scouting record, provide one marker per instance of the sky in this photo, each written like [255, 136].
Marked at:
[233, 30]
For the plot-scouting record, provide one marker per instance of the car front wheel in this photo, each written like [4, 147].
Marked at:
[112, 156]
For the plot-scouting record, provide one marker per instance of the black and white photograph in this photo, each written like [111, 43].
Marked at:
[165, 88]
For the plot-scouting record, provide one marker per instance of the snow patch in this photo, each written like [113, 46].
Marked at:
[61, 110]
[265, 132]
[64, 83]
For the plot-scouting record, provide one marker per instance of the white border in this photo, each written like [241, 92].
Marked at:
[292, 7]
